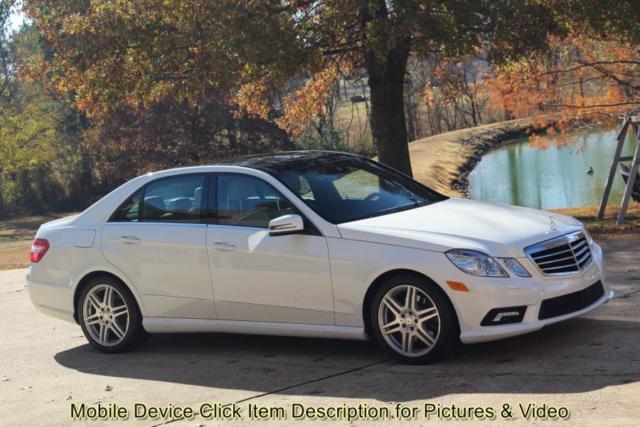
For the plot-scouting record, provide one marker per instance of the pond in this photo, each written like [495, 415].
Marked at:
[524, 174]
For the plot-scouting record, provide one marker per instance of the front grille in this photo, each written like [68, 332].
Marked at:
[569, 303]
[562, 255]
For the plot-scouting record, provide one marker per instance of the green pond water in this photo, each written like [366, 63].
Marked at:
[522, 174]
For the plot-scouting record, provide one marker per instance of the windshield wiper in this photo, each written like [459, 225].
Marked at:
[412, 205]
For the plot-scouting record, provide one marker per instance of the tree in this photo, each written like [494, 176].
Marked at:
[110, 52]
[40, 151]
[128, 140]
[578, 78]
[458, 86]
[5, 80]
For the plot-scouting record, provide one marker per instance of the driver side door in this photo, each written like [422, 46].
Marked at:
[258, 277]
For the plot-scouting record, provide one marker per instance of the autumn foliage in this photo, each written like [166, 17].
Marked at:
[114, 88]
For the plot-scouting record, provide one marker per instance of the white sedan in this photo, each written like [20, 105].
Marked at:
[315, 244]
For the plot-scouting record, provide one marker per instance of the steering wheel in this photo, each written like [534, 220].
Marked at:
[373, 196]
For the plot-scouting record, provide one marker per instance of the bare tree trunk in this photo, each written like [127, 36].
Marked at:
[411, 123]
[474, 113]
[386, 85]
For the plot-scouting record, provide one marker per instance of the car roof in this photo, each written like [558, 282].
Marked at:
[275, 162]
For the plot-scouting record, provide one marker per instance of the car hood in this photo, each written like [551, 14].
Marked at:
[499, 230]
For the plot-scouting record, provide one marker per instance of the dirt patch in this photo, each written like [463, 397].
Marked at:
[607, 228]
[14, 254]
[16, 235]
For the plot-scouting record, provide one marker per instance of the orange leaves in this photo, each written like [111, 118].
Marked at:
[253, 99]
[577, 79]
[429, 95]
[307, 102]
[520, 89]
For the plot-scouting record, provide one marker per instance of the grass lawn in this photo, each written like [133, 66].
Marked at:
[352, 121]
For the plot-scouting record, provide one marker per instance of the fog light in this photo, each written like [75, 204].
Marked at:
[504, 316]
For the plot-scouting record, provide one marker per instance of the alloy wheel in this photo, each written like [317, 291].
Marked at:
[105, 315]
[409, 321]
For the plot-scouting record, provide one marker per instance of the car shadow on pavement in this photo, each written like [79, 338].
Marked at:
[575, 356]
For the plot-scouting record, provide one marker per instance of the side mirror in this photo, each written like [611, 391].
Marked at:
[286, 224]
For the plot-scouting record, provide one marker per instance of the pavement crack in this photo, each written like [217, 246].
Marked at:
[323, 378]
[13, 292]
[300, 384]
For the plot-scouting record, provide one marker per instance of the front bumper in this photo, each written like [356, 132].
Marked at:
[487, 293]
[491, 333]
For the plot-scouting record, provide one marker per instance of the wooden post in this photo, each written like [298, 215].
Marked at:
[632, 178]
[614, 165]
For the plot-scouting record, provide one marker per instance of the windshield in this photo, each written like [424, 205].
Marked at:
[343, 188]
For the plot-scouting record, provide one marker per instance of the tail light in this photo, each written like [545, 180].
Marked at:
[39, 248]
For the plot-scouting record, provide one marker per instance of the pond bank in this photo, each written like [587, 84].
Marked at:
[444, 161]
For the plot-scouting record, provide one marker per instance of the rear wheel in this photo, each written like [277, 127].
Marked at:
[412, 319]
[109, 316]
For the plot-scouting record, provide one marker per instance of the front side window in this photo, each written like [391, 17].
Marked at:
[250, 202]
[175, 199]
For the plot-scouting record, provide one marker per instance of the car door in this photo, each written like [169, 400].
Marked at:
[157, 238]
[258, 277]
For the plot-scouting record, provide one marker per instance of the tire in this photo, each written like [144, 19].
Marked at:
[418, 333]
[109, 316]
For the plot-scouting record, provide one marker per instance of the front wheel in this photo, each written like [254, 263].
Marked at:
[109, 316]
[412, 319]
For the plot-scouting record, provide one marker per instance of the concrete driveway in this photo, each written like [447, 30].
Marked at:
[590, 365]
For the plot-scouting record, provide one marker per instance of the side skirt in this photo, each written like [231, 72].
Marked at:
[174, 325]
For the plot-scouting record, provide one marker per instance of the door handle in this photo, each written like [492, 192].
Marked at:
[130, 240]
[223, 246]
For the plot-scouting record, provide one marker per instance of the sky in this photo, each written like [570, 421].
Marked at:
[15, 21]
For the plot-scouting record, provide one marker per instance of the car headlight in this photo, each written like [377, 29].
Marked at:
[475, 263]
[515, 267]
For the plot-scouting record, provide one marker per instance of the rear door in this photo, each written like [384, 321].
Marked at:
[158, 239]
[265, 278]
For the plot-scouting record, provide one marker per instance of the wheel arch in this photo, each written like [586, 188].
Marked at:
[84, 281]
[378, 281]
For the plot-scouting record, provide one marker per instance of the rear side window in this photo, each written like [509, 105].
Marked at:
[247, 201]
[130, 209]
[176, 199]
